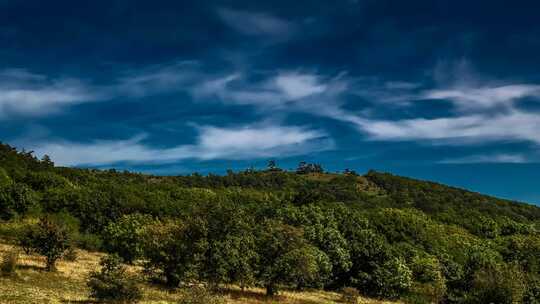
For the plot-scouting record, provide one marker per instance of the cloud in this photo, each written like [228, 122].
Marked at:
[286, 90]
[26, 94]
[487, 158]
[296, 86]
[175, 76]
[467, 98]
[512, 126]
[247, 142]
[256, 23]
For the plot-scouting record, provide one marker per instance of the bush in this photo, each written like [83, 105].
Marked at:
[500, 284]
[393, 278]
[429, 279]
[199, 295]
[8, 266]
[90, 242]
[71, 255]
[532, 294]
[176, 250]
[350, 295]
[112, 283]
[125, 237]
[48, 238]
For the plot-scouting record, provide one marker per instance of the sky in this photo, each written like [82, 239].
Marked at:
[447, 91]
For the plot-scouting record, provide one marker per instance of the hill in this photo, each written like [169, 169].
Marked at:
[387, 236]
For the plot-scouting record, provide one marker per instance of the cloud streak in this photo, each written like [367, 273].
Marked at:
[26, 94]
[247, 142]
[487, 158]
[256, 24]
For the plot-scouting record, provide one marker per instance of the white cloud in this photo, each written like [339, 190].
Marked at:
[513, 126]
[28, 94]
[255, 23]
[212, 143]
[467, 98]
[487, 158]
[296, 85]
[290, 91]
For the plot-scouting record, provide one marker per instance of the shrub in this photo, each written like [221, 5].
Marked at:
[48, 238]
[429, 279]
[71, 254]
[532, 294]
[393, 278]
[90, 242]
[199, 295]
[500, 284]
[286, 258]
[176, 250]
[125, 237]
[112, 283]
[8, 266]
[350, 295]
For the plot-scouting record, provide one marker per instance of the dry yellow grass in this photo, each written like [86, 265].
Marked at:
[68, 285]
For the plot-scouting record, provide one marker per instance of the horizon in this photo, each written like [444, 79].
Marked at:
[432, 90]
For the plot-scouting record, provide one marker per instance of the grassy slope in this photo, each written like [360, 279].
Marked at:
[33, 285]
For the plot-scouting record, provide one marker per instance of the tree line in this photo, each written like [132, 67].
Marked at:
[386, 236]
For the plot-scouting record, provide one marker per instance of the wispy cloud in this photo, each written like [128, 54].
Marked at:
[246, 142]
[256, 23]
[472, 98]
[487, 158]
[23, 93]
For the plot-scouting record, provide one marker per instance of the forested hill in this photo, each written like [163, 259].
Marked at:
[387, 236]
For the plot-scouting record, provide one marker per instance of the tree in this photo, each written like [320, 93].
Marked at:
[305, 168]
[16, 199]
[112, 282]
[272, 165]
[501, 283]
[321, 229]
[125, 236]
[231, 254]
[176, 249]
[392, 278]
[286, 258]
[48, 238]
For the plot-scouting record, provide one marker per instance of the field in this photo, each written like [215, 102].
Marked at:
[33, 285]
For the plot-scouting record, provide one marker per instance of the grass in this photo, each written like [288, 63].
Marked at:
[68, 285]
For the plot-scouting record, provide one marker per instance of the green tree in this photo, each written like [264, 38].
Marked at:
[113, 283]
[393, 278]
[231, 254]
[48, 238]
[286, 258]
[176, 249]
[125, 236]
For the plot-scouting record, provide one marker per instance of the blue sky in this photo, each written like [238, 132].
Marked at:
[441, 90]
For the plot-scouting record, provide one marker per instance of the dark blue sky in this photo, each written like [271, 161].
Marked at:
[441, 90]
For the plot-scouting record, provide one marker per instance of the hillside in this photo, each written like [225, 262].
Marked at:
[32, 285]
[389, 237]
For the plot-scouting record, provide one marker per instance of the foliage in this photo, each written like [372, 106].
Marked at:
[385, 235]
[199, 295]
[286, 258]
[48, 238]
[176, 249]
[113, 283]
[500, 284]
[393, 278]
[8, 265]
[306, 168]
[125, 236]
